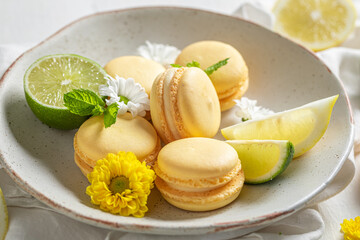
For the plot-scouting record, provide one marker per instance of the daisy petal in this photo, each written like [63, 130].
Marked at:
[138, 100]
[163, 54]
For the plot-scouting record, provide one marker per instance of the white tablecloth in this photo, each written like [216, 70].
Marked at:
[25, 23]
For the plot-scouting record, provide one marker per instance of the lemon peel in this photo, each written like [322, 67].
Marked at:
[4, 219]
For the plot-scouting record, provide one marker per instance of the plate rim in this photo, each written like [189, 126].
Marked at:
[214, 227]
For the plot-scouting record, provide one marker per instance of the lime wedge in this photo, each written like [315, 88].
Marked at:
[4, 223]
[263, 160]
[303, 126]
[49, 78]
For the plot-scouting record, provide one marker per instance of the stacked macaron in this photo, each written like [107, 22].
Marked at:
[230, 81]
[199, 174]
[93, 141]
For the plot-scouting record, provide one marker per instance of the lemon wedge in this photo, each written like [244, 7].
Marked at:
[303, 126]
[263, 160]
[316, 24]
[4, 224]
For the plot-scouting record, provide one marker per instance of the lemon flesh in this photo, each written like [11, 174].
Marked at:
[302, 126]
[317, 24]
[263, 160]
[49, 78]
[4, 223]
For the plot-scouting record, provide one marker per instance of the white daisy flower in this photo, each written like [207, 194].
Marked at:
[128, 95]
[161, 53]
[247, 109]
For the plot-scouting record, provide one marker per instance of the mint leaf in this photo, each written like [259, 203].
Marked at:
[193, 64]
[98, 110]
[176, 65]
[110, 115]
[83, 102]
[216, 66]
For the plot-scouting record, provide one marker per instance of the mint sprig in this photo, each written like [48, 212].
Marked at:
[193, 64]
[110, 115]
[216, 66]
[208, 70]
[85, 102]
[176, 65]
[98, 110]
[82, 102]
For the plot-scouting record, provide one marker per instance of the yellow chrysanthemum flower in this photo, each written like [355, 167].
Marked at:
[351, 229]
[121, 184]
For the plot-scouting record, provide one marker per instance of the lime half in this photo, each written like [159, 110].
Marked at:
[263, 160]
[4, 223]
[303, 126]
[49, 78]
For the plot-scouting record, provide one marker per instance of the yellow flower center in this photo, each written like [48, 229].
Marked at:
[119, 184]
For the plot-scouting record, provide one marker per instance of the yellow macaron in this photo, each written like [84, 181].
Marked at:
[183, 103]
[142, 70]
[93, 141]
[230, 81]
[199, 174]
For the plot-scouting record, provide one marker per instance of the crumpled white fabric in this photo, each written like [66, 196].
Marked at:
[31, 219]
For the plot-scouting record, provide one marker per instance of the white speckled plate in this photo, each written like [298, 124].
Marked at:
[283, 75]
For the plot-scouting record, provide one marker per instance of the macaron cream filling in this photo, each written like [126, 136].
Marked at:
[169, 91]
[157, 104]
[233, 92]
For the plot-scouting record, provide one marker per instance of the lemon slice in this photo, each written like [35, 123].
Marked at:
[317, 24]
[4, 224]
[263, 160]
[303, 126]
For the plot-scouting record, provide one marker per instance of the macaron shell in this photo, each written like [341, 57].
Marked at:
[228, 102]
[208, 53]
[202, 201]
[197, 104]
[197, 158]
[93, 141]
[142, 70]
[157, 106]
[84, 167]
[197, 185]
